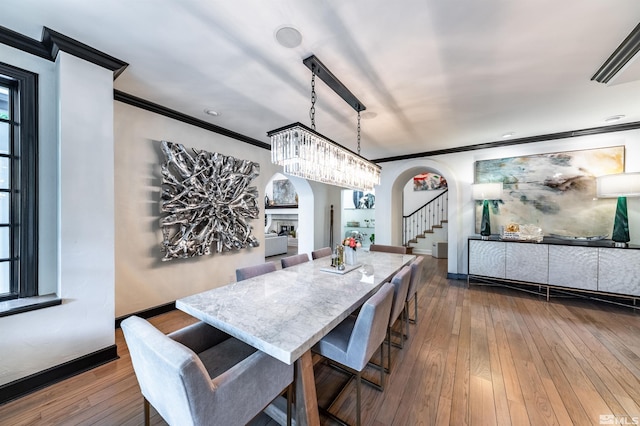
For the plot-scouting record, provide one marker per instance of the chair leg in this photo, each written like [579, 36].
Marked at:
[289, 395]
[381, 367]
[388, 369]
[147, 420]
[415, 307]
[400, 344]
[406, 317]
[358, 377]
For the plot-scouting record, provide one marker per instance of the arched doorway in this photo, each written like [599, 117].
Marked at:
[425, 213]
[389, 204]
[291, 207]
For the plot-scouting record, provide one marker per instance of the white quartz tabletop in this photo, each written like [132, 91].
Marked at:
[284, 313]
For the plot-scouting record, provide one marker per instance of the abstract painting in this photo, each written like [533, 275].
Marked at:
[284, 193]
[429, 182]
[206, 202]
[553, 191]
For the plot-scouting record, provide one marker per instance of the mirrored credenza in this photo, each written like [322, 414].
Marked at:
[593, 269]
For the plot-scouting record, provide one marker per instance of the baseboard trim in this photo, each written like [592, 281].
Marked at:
[148, 313]
[452, 276]
[423, 252]
[42, 379]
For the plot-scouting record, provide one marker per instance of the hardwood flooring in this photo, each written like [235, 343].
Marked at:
[479, 355]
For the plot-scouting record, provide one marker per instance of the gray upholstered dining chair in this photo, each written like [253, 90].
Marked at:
[352, 343]
[323, 252]
[388, 249]
[200, 375]
[255, 270]
[400, 283]
[296, 259]
[412, 293]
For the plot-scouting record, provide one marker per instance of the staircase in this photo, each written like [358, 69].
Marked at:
[426, 225]
[423, 243]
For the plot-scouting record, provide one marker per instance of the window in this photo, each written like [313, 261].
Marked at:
[18, 183]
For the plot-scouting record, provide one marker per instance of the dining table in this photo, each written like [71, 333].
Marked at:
[286, 312]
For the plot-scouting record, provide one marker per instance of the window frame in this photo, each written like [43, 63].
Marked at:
[23, 86]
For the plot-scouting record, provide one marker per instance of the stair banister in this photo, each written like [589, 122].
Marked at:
[423, 219]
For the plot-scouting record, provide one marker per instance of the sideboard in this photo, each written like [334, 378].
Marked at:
[587, 267]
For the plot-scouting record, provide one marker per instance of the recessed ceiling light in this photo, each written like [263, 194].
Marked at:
[614, 118]
[212, 112]
[288, 37]
[508, 135]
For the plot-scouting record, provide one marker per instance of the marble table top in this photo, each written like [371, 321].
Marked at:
[284, 313]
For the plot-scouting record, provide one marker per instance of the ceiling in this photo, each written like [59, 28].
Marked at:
[432, 74]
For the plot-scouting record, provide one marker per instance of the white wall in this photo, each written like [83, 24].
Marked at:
[458, 171]
[142, 279]
[324, 197]
[76, 250]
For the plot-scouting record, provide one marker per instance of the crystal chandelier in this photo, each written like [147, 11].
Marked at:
[306, 153]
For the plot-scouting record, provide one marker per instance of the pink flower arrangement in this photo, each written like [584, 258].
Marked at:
[351, 242]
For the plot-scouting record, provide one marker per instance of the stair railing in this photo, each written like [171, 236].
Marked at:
[433, 213]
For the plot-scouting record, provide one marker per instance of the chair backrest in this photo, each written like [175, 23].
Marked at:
[255, 270]
[171, 376]
[370, 328]
[400, 283]
[416, 276]
[388, 249]
[323, 252]
[294, 260]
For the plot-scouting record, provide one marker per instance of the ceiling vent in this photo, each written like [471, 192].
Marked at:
[622, 66]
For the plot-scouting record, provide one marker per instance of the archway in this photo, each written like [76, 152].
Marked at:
[389, 204]
[305, 211]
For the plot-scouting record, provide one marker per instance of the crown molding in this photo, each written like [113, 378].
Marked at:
[24, 43]
[159, 109]
[519, 141]
[54, 42]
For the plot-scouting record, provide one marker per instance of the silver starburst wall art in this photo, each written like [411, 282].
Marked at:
[206, 202]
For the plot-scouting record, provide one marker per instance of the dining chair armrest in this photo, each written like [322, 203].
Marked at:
[259, 377]
[199, 336]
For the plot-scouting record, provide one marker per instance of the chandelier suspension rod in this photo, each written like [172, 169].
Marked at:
[319, 69]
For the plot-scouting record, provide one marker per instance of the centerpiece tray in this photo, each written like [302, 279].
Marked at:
[347, 268]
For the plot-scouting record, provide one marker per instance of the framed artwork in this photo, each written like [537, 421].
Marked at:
[364, 200]
[554, 191]
[429, 182]
[284, 193]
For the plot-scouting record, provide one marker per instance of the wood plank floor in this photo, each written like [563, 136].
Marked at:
[479, 355]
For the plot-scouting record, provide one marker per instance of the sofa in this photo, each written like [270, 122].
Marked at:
[274, 244]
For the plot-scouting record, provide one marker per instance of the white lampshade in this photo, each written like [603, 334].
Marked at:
[618, 185]
[487, 191]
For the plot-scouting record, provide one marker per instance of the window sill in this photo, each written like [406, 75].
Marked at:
[26, 304]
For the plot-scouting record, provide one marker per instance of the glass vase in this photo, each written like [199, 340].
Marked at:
[350, 256]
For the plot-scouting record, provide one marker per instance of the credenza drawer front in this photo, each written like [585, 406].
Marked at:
[528, 262]
[487, 258]
[575, 267]
[619, 271]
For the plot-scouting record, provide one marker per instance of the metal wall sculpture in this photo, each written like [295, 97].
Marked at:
[206, 202]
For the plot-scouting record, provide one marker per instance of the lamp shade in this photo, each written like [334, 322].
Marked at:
[618, 185]
[487, 191]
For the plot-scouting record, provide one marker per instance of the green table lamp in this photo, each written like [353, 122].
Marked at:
[486, 192]
[621, 186]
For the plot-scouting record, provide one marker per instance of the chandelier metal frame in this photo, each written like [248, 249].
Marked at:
[306, 153]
